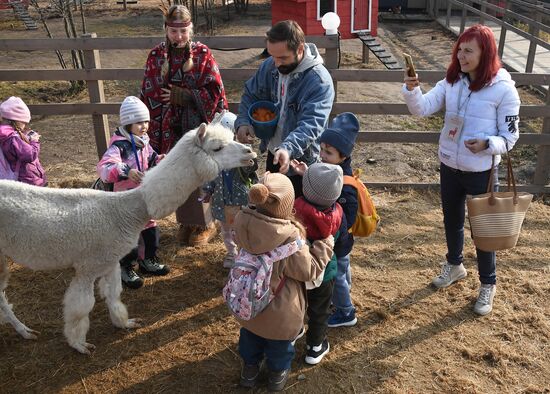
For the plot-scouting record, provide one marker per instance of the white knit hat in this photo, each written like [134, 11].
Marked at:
[132, 111]
[322, 184]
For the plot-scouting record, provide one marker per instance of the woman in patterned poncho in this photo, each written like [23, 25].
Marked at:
[182, 87]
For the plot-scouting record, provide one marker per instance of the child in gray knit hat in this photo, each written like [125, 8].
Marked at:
[322, 216]
[337, 143]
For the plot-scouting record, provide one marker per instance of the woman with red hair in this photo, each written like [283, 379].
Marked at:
[481, 120]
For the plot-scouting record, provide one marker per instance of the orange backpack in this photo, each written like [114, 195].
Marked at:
[367, 219]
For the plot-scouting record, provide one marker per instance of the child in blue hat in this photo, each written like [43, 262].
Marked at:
[337, 143]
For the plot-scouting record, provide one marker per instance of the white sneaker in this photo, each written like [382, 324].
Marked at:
[484, 303]
[449, 274]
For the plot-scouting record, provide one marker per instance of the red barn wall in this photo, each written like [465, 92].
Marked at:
[305, 13]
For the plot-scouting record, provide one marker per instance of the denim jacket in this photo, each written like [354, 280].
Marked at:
[305, 112]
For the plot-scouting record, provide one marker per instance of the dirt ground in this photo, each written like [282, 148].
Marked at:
[410, 338]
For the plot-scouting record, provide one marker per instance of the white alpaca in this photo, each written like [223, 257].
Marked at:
[90, 230]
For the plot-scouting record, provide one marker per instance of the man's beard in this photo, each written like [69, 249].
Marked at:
[288, 68]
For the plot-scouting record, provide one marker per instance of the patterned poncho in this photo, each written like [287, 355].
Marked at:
[169, 122]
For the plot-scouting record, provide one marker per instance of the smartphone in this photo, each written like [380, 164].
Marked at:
[409, 63]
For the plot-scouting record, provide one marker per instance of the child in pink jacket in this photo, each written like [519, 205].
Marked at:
[123, 164]
[20, 145]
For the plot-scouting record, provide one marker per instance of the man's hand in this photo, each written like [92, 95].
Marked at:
[282, 158]
[245, 134]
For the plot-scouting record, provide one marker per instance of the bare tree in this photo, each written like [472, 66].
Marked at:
[241, 6]
[63, 8]
[207, 9]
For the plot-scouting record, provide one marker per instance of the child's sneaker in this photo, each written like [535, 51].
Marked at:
[276, 380]
[339, 319]
[130, 278]
[249, 375]
[450, 273]
[152, 266]
[314, 354]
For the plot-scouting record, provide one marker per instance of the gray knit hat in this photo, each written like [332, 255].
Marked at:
[322, 184]
[132, 111]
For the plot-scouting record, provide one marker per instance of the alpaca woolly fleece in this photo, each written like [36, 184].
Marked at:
[90, 230]
[15, 109]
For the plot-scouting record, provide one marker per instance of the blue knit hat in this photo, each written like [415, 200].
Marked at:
[342, 133]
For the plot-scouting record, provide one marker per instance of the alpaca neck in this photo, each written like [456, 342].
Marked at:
[169, 184]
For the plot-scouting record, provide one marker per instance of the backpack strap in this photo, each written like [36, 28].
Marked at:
[280, 287]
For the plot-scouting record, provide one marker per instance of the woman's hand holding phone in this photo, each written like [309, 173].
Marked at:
[411, 79]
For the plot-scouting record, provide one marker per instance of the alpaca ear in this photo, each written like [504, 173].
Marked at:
[201, 133]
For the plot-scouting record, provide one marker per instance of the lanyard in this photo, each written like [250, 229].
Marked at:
[460, 105]
[135, 151]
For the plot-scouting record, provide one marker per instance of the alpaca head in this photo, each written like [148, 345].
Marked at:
[198, 157]
[218, 143]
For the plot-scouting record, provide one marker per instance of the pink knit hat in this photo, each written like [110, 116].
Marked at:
[15, 109]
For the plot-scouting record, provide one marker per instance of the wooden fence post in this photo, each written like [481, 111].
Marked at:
[448, 15]
[542, 171]
[502, 38]
[331, 62]
[463, 18]
[534, 31]
[483, 9]
[97, 95]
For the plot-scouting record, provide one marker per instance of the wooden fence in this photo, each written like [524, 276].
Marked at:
[535, 17]
[94, 75]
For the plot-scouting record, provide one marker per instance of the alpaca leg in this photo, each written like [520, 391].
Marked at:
[110, 288]
[78, 303]
[6, 314]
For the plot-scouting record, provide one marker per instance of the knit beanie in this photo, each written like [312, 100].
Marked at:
[132, 111]
[15, 109]
[273, 196]
[322, 184]
[342, 133]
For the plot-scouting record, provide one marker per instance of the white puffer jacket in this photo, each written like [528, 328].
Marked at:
[491, 113]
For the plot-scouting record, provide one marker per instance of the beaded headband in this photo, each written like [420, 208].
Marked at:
[178, 24]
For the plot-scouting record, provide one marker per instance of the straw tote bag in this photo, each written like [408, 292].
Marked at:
[496, 217]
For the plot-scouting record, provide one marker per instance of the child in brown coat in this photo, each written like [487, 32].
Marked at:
[260, 230]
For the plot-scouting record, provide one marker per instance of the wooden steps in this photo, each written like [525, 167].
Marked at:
[377, 48]
[23, 15]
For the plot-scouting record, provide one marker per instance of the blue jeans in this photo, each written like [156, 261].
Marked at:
[455, 185]
[278, 354]
[340, 295]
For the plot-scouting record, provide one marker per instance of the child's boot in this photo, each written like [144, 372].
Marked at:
[152, 266]
[249, 375]
[130, 278]
[276, 380]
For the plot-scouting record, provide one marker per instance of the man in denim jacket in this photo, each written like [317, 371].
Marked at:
[295, 79]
